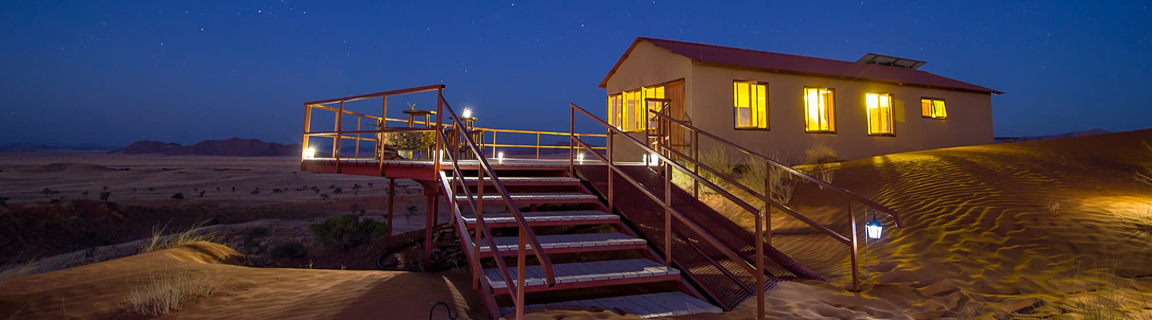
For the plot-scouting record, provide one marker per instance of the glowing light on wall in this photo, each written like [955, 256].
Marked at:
[874, 229]
[309, 153]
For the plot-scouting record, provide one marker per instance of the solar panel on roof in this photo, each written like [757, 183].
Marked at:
[891, 61]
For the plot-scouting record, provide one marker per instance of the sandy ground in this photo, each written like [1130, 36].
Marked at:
[1014, 231]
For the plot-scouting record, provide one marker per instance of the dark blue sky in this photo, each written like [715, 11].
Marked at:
[112, 72]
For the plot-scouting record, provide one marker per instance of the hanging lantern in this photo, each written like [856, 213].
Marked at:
[874, 228]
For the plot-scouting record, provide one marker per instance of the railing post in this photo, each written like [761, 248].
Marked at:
[339, 138]
[667, 215]
[611, 164]
[356, 153]
[307, 133]
[695, 167]
[478, 212]
[538, 145]
[760, 257]
[520, 276]
[855, 264]
[768, 202]
[439, 126]
[571, 141]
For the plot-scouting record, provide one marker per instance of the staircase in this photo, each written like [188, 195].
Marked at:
[597, 260]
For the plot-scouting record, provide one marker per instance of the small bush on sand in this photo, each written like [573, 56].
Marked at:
[781, 181]
[290, 250]
[162, 294]
[178, 196]
[20, 270]
[820, 153]
[345, 231]
[105, 195]
[194, 234]
[720, 161]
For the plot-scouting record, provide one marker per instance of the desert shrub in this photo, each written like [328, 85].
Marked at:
[168, 292]
[159, 241]
[288, 250]
[85, 194]
[151, 189]
[324, 196]
[105, 195]
[356, 186]
[202, 192]
[345, 231]
[3, 202]
[178, 196]
[46, 192]
[370, 184]
[819, 153]
[19, 270]
[781, 181]
[338, 190]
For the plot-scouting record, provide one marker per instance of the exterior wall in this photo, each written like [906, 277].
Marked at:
[646, 65]
[709, 106]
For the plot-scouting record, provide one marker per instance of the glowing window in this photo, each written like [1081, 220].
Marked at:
[652, 93]
[750, 99]
[615, 110]
[819, 110]
[627, 110]
[933, 108]
[879, 113]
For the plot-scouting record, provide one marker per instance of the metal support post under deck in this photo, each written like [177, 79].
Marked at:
[391, 206]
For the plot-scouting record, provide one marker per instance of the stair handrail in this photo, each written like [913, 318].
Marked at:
[824, 184]
[525, 232]
[852, 242]
[757, 270]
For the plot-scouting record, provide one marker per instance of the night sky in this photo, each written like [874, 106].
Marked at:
[112, 72]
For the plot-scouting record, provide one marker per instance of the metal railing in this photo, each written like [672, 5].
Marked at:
[525, 235]
[666, 202]
[489, 140]
[771, 166]
[450, 149]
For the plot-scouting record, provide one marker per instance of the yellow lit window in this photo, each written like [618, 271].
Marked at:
[879, 113]
[933, 108]
[627, 110]
[819, 110]
[633, 111]
[652, 93]
[615, 110]
[751, 102]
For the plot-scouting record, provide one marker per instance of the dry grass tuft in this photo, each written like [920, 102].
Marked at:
[781, 181]
[168, 292]
[820, 153]
[15, 271]
[194, 234]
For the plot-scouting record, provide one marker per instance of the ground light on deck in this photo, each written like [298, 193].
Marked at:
[309, 153]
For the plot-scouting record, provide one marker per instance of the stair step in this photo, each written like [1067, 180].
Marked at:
[646, 306]
[587, 274]
[546, 218]
[535, 198]
[568, 243]
[527, 181]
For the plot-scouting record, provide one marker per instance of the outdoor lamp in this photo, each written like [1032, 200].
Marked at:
[309, 153]
[467, 113]
[500, 156]
[874, 228]
[653, 160]
[580, 157]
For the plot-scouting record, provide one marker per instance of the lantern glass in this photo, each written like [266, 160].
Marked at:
[874, 229]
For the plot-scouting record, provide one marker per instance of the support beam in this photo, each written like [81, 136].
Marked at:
[391, 206]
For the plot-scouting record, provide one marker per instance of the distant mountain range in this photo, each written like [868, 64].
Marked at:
[29, 147]
[1064, 135]
[234, 147]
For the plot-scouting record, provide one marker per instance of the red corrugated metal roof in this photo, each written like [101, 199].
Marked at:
[788, 63]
